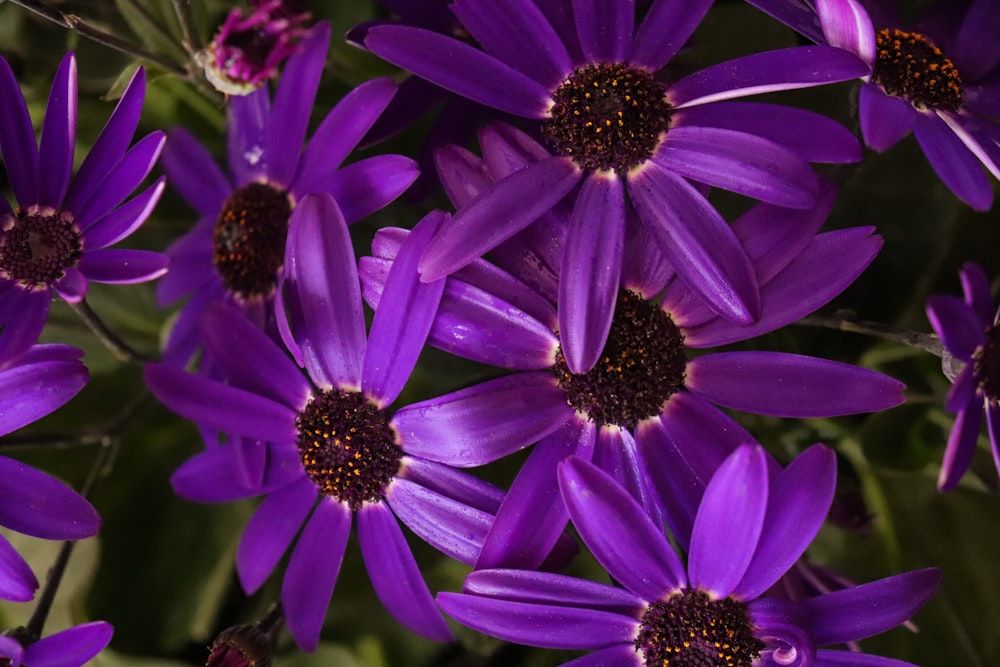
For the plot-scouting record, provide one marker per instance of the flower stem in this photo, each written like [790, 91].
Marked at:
[845, 321]
[111, 340]
[192, 42]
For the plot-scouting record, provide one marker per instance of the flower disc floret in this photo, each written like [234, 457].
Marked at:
[908, 65]
[642, 365]
[987, 365]
[347, 447]
[692, 630]
[38, 245]
[248, 242]
[608, 116]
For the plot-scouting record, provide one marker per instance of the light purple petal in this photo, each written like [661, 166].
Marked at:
[322, 293]
[961, 446]
[846, 25]
[17, 581]
[125, 219]
[591, 269]
[122, 179]
[483, 423]
[546, 587]
[790, 385]
[618, 532]
[460, 68]
[954, 163]
[10, 648]
[17, 140]
[450, 526]
[39, 383]
[617, 454]
[368, 185]
[667, 27]
[452, 483]
[956, 324]
[395, 576]
[123, 267]
[604, 29]
[55, 151]
[69, 648]
[507, 207]
[72, 285]
[697, 242]
[247, 119]
[312, 571]
[213, 476]
[885, 119]
[730, 518]
[39, 505]
[194, 174]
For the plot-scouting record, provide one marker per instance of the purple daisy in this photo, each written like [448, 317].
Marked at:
[32, 502]
[236, 251]
[970, 331]
[73, 647]
[939, 79]
[326, 448]
[637, 411]
[56, 238]
[747, 533]
[626, 140]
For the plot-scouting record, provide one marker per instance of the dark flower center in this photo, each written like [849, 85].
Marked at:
[608, 117]
[347, 446]
[248, 243]
[692, 630]
[987, 365]
[5, 662]
[240, 646]
[38, 245]
[908, 65]
[642, 365]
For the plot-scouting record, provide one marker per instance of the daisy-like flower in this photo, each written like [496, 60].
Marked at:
[73, 647]
[236, 251]
[939, 79]
[327, 450]
[747, 533]
[32, 502]
[56, 238]
[626, 140]
[646, 399]
[970, 331]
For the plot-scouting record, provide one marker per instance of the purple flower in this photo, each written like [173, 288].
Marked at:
[747, 533]
[970, 331]
[321, 447]
[56, 238]
[647, 406]
[626, 141]
[32, 502]
[939, 79]
[72, 647]
[236, 251]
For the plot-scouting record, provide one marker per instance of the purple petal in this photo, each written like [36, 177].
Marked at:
[322, 293]
[961, 446]
[463, 174]
[618, 532]
[22, 317]
[790, 385]
[507, 149]
[781, 69]
[532, 516]
[954, 162]
[125, 219]
[72, 285]
[956, 324]
[55, 151]
[368, 185]
[993, 426]
[395, 576]
[828, 658]
[591, 269]
[963, 389]
[403, 319]
[39, 505]
[518, 34]
[697, 242]
[741, 163]
[452, 483]
[730, 519]
[885, 119]
[213, 476]
[665, 30]
[797, 504]
[194, 174]
[460, 68]
[448, 525]
[619, 655]
[886, 603]
[17, 581]
[39, 383]
[486, 422]
[10, 648]
[546, 626]
[123, 267]
[617, 454]
[122, 179]
[976, 287]
[312, 571]
[17, 140]
[543, 587]
[604, 29]
[292, 103]
[507, 207]
[846, 25]
[976, 50]
[69, 648]
[247, 119]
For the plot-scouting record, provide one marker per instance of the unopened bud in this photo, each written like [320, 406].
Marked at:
[241, 646]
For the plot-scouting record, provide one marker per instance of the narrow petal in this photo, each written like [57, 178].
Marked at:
[368, 185]
[70, 648]
[38, 384]
[846, 25]
[125, 219]
[72, 285]
[475, 426]
[123, 267]
[507, 207]
[122, 179]
[10, 648]
[451, 527]
[547, 587]
[322, 293]
[963, 389]
[730, 519]
[618, 655]
[993, 425]
[22, 318]
[885, 119]
[55, 151]
[618, 532]
[828, 658]
[954, 162]
[312, 572]
[790, 385]
[886, 603]
[460, 68]
[697, 242]
[976, 287]
[194, 174]
[395, 576]
[975, 50]
[39, 505]
[17, 581]
[604, 29]
[463, 174]
[956, 324]
[17, 140]
[667, 27]
[591, 269]
[452, 483]
[213, 476]
[617, 454]
[247, 118]
[961, 446]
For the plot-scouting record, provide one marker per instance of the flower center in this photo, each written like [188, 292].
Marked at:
[240, 646]
[248, 243]
[347, 447]
[692, 630]
[642, 365]
[908, 65]
[987, 365]
[608, 116]
[5, 662]
[38, 245]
